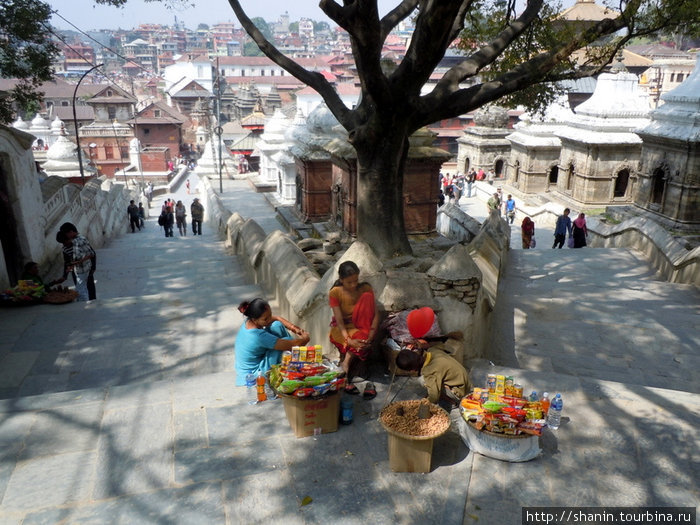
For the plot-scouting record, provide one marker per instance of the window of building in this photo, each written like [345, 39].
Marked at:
[110, 93]
[553, 174]
[109, 152]
[499, 168]
[156, 113]
[146, 131]
[680, 77]
[112, 112]
[621, 183]
[64, 103]
[658, 184]
[570, 176]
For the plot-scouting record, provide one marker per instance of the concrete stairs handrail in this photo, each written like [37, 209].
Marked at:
[673, 260]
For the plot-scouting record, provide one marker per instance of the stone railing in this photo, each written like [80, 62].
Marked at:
[675, 262]
[97, 209]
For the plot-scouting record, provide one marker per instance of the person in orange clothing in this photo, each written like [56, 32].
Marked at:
[355, 321]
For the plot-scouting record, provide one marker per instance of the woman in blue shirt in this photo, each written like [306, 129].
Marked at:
[262, 339]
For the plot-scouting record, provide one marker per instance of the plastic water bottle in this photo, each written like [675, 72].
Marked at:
[554, 414]
[251, 390]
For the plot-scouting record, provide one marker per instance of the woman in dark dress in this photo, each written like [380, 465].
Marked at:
[580, 232]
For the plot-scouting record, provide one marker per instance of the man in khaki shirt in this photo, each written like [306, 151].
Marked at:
[445, 377]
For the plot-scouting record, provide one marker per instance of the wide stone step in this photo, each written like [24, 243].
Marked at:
[598, 313]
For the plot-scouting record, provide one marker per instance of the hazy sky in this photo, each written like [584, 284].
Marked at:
[87, 15]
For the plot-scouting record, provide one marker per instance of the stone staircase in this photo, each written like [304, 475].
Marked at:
[166, 308]
[597, 313]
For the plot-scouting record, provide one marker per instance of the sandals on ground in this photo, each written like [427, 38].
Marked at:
[351, 389]
[370, 391]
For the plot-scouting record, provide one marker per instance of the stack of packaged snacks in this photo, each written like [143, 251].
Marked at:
[303, 374]
[500, 407]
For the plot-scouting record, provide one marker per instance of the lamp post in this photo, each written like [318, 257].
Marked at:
[75, 122]
[92, 147]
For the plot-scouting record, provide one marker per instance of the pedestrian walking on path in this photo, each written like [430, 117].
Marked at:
[580, 232]
[181, 218]
[527, 231]
[562, 228]
[510, 209]
[167, 220]
[133, 212]
[197, 211]
[142, 215]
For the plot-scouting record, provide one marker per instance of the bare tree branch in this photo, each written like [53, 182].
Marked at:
[396, 15]
[312, 79]
[459, 19]
[335, 12]
[431, 38]
[489, 53]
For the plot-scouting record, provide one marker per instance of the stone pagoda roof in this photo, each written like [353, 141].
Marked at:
[612, 114]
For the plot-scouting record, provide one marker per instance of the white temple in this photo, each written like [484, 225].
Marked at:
[62, 160]
[270, 143]
[535, 148]
[600, 149]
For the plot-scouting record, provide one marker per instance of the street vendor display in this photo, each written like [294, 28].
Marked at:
[29, 292]
[501, 423]
[309, 387]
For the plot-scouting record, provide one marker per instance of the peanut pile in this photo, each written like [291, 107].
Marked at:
[409, 423]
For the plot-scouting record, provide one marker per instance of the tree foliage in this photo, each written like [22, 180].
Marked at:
[25, 53]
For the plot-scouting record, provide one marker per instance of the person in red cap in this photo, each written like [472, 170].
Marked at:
[445, 378]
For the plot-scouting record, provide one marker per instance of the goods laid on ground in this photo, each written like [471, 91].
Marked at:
[27, 293]
[303, 373]
[411, 428]
[501, 423]
[60, 296]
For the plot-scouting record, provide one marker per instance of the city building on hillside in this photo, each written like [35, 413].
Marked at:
[108, 136]
[190, 67]
[158, 127]
[184, 95]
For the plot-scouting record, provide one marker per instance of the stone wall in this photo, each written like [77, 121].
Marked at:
[461, 286]
[675, 262]
[98, 209]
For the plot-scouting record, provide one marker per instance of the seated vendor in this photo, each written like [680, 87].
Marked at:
[31, 273]
[262, 339]
[445, 377]
[355, 321]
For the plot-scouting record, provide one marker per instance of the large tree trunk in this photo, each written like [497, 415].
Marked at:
[381, 153]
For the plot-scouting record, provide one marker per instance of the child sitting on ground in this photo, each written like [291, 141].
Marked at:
[445, 377]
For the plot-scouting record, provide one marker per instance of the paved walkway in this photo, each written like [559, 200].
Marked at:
[123, 410]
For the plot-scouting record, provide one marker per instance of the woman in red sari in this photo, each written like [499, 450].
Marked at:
[354, 325]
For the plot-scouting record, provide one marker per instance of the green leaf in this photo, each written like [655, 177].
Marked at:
[306, 501]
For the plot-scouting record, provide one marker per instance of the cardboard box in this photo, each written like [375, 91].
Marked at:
[309, 416]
